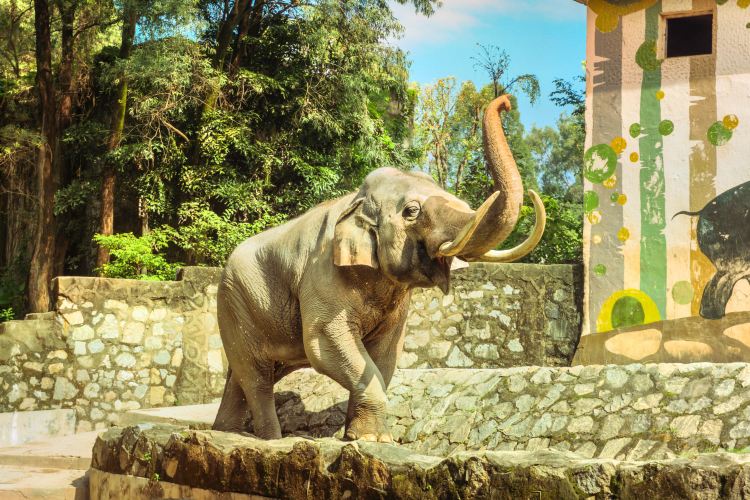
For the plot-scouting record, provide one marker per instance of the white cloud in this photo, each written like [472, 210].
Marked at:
[456, 18]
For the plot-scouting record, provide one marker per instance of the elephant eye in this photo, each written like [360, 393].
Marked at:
[410, 211]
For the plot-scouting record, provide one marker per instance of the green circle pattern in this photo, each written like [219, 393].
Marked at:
[666, 127]
[590, 201]
[635, 130]
[600, 269]
[646, 58]
[627, 311]
[598, 171]
[682, 292]
[718, 134]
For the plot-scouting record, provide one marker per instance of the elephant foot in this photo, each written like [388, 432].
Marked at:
[373, 437]
[367, 429]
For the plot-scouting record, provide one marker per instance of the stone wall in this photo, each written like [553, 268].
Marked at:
[496, 315]
[116, 345]
[628, 412]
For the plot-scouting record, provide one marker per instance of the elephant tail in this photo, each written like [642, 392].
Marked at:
[685, 212]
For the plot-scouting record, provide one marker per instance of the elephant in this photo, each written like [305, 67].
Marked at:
[330, 289]
[724, 237]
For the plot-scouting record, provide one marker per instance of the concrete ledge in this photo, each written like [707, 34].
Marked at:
[328, 468]
[23, 426]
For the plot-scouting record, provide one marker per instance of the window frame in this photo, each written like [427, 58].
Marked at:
[663, 32]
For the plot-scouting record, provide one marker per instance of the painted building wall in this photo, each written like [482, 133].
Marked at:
[666, 135]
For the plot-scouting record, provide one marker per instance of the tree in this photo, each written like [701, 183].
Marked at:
[42, 260]
[559, 153]
[496, 63]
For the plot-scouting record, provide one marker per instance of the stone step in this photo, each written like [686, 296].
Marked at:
[53, 468]
[631, 412]
[131, 459]
[60, 452]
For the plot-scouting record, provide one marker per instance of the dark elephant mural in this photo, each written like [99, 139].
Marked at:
[724, 237]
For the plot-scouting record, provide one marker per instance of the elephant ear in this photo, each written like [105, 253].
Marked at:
[354, 241]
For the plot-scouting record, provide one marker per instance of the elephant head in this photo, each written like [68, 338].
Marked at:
[405, 225]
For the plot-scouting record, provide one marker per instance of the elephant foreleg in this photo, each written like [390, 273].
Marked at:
[385, 348]
[333, 349]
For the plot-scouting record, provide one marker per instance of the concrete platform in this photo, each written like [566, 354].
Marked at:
[24, 482]
[54, 468]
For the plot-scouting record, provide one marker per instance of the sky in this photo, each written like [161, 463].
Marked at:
[543, 37]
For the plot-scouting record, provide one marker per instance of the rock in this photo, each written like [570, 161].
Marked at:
[407, 360]
[91, 390]
[516, 383]
[725, 388]
[33, 367]
[95, 346]
[515, 345]
[417, 339]
[484, 351]
[133, 333]
[615, 377]
[439, 349]
[54, 368]
[64, 389]
[613, 447]
[125, 360]
[140, 313]
[57, 354]
[685, 426]
[162, 357]
[156, 395]
[579, 425]
[110, 328]
[79, 348]
[82, 332]
[457, 359]
[73, 318]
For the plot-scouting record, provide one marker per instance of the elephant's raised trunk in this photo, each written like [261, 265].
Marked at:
[496, 218]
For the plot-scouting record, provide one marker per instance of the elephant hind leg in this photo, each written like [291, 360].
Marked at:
[258, 389]
[233, 409]
[717, 293]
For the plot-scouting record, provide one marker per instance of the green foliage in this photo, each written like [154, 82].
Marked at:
[210, 238]
[7, 314]
[561, 242]
[12, 288]
[135, 257]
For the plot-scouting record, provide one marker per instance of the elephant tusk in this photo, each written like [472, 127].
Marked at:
[453, 248]
[513, 254]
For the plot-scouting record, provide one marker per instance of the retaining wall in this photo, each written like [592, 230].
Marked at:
[114, 345]
[628, 412]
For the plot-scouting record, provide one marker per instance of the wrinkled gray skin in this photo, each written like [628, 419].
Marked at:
[331, 289]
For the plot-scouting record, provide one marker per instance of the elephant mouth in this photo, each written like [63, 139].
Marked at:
[442, 278]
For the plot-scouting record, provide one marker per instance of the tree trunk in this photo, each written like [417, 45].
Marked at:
[42, 260]
[65, 116]
[250, 24]
[107, 215]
